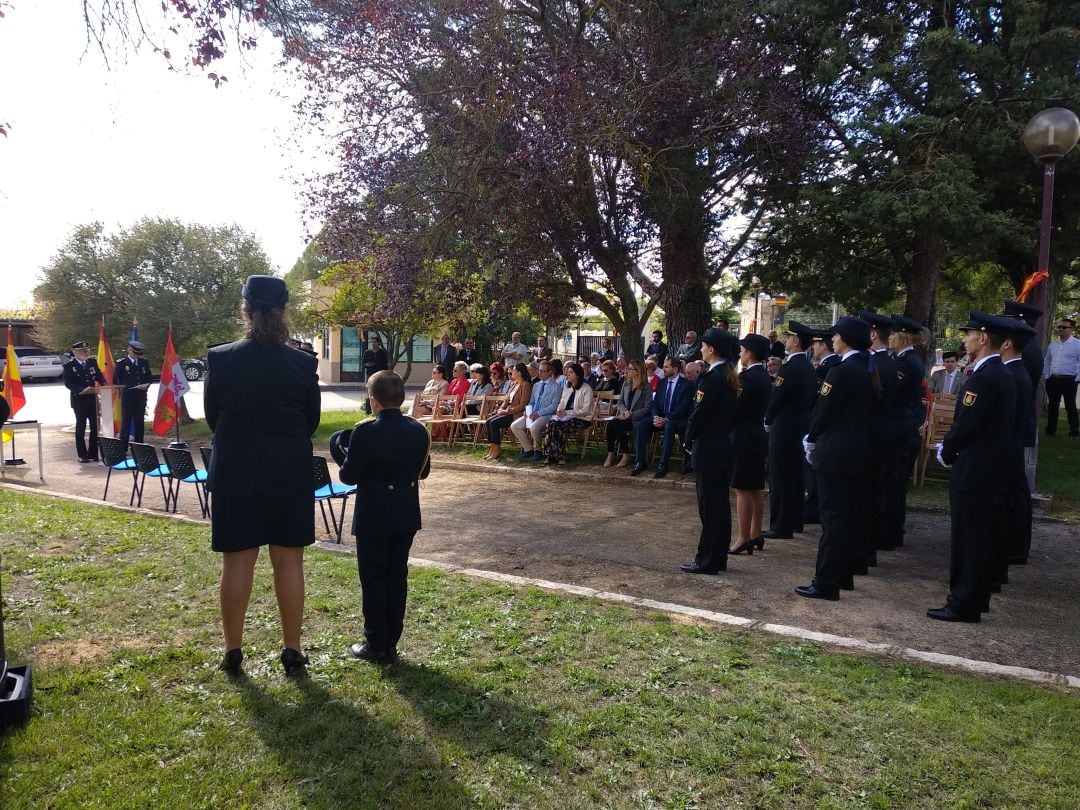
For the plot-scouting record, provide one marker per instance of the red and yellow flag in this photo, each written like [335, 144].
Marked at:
[1030, 283]
[173, 386]
[110, 401]
[13, 387]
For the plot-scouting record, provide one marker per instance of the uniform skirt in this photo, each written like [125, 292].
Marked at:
[749, 472]
[240, 522]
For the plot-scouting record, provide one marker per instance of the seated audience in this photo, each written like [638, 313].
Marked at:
[436, 385]
[634, 408]
[574, 413]
[609, 380]
[669, 413]
[542, 404]
[517, 397]
[499, 383]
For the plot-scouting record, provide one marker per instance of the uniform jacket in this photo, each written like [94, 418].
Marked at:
[792, 396]
[78, 376]
[748, 423]
[883, 408]
[840, 420]
[263, 404]
[937, 382]
[822, 372]
[979, 445]
[386, 459]
[681, 402]
[130, 373]
[1033, 359]
[908, 413]
[1024, 428]
[709, 428]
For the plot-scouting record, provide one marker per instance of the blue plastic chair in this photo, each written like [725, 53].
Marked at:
[325, 493]
[146, 460]
[114, 456]
[183, 470]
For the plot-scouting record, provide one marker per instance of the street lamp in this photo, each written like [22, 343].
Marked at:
[1048, 137]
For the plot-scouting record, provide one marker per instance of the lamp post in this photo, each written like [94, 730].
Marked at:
[1049, 136]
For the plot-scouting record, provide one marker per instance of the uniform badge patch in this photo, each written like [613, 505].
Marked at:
[825, 389]
[778, 381]
[969, 398]
[699, 396]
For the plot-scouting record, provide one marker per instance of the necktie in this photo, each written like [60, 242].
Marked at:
[670, 396]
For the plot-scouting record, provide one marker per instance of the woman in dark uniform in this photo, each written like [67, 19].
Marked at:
[750, 443]
[262, 402]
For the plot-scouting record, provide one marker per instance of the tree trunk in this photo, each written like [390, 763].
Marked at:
[685, 295]
[921, 276]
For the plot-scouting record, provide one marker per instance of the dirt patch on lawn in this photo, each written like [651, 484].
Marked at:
[73, 652]
[60, 547]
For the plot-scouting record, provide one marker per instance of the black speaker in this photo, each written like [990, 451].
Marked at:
[16, 683]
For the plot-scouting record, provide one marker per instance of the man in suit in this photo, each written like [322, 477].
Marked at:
[387, 458]
[837, 445]
[776, 348]
[670, 411]
[979, 449]
[607, 351]
[657, 349]
[947, 380]
[445, 353]
[691, 349]
[906, 417]
[708, 431]
[543, 402]
[787, 420]
[824, 359]
[80, 375]
[542, 350]
[133, 372]
[468, 353]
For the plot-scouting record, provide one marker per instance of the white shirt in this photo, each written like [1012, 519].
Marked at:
[1063, 358]
[983, 360]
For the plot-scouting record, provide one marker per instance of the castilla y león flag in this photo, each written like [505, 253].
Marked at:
[173, 386]
[13, 390]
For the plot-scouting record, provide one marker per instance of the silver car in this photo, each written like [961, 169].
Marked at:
[35, 363]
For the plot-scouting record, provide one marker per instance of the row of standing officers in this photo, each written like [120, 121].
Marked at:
[843, 435]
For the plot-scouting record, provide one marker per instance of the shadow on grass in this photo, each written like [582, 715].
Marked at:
[338, 755]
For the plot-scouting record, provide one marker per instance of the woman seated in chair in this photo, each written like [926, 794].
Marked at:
[453, 394]
[436, 385]
[479, 387]
[514, 406]
[499, 382]
[610, 381]
[635, 405]
[574, 413]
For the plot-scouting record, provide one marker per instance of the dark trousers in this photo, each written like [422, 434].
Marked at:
[644, 430]
[495, 427]
[1018, 534]
[838, 500]
[618, 435]
[132, 418]
[811, 514]
[1058, 388]
[977, 530]
[897, 468]
[714, 511]
[383, 563]
[85, 408]
[786, 489]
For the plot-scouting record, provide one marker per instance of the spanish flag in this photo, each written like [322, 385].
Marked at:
[13, 387]
[110, 400]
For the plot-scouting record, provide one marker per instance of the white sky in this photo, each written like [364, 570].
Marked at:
[90, 143]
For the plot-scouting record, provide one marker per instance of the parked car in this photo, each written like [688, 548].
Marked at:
[36, 364]
[194, 369]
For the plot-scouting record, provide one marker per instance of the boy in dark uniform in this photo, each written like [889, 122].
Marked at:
[838, 448]
[386, 459]
[133, 372]
[825, 359]
[906, 417]
[1032, 357]
[979, 448]
[788, 419]
[80, 374]
[708, 433]
[875, 504]
[1025, 431]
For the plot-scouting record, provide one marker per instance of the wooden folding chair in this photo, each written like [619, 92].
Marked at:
[432, 403]
[464, 422]
[604, 405]
[492, 403]
[938, 425]
[441, 425]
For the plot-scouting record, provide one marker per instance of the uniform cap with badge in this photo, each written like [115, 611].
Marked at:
[136, 347]
[854, 331]
[265, 292]
[1018, 309]
[80, 345]
[876, 319]
[979, 321]
[801, 330]
[910, 326]
[723, 342]
[758, 345]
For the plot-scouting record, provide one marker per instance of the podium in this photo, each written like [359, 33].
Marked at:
[108, 409]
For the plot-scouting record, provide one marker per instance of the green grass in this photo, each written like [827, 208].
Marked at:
[508, 697]
[198, 431]
[1058, 473]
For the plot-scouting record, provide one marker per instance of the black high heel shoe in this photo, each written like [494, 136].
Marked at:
[232, 661]
[758, 543]
[745, 548]
[293, 661]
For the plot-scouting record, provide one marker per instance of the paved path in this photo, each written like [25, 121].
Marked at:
[602, 530]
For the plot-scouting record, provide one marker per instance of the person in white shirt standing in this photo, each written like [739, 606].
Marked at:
[1061, 372]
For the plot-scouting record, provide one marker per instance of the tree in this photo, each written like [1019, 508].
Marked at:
[923, 170]
[598, 150]
[157, 272]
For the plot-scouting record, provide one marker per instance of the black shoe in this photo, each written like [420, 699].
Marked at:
[847, 584]
[660, 472]
[84, 461]
[860, 570]
[293, 661]
[947, 614]
[772, 535]
[637, 469]
[871, 561]
[694, 568]
[813, 592]
[1018, 560]
[759, 542]
[686, 470]
[232, 661]
[746, 548]
[811, 520]
[365, 652]
[995, 587]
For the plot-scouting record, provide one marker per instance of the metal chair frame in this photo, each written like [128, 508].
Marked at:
[325, 493]
[115, 456]
[182, 470]
[146, 460]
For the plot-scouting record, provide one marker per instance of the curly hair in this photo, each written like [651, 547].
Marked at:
[267, 327]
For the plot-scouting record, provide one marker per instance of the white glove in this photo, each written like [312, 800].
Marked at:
[808, 449]
[940, 460]
[768, 428]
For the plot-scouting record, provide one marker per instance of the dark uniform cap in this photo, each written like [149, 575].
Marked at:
[339, 445]
[265, 292]
[796, 328]
[854, 331]
[876, 320]
[979, 321]
[1018, 309]
[758, 344]
[721, 341]
[1018, 327]
[80, 345]
[137, 347]
[902, 323]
